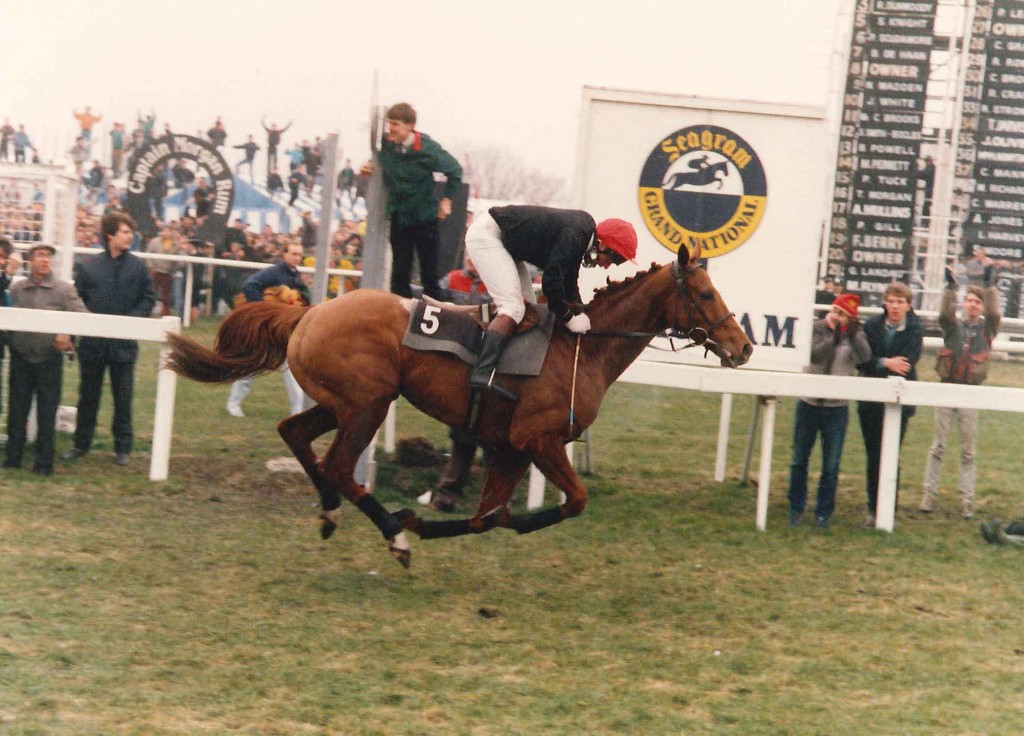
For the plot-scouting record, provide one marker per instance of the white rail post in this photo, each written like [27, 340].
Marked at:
[163, 418]
[389, 429]
[538, 483]
[748, 452]
[186, 311]
[765, 469]
[724, 418]
[535, 491]
[888, 470]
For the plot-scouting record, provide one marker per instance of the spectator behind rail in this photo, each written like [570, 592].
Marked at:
[963, 359]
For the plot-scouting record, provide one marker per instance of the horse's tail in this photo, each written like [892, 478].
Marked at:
[251, 340]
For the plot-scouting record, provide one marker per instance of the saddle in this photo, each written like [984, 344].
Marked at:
[458, 329]
[481, 313]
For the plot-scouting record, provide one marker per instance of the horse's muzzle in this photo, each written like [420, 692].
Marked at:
[727, 358]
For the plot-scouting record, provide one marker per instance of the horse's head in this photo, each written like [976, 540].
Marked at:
[698, 312]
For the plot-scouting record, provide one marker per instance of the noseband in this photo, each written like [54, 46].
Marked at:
[696, 335]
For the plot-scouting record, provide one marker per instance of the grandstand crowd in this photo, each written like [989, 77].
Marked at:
[102, 188]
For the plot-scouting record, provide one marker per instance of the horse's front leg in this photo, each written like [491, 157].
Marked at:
[505, 468]
[551, 459]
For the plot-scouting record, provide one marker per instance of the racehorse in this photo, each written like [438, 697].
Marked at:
[713, 173]
[347, 355]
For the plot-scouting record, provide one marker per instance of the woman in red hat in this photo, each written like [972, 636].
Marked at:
[837, 346]
[504, 240]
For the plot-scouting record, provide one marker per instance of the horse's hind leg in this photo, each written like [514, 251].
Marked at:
[551, 459]
[338, 465]
[299, 432]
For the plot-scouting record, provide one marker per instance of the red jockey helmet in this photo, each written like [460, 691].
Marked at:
[618, 235]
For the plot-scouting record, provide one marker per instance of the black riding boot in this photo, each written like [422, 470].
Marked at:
[486, 366]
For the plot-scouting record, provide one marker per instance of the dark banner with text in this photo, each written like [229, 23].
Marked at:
[874, 206]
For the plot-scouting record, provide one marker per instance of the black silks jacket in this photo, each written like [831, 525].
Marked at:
[554, 241]
[121, 286]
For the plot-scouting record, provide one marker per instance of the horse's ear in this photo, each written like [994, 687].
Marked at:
[687, 259]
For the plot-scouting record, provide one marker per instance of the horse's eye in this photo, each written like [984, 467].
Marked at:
[707, 296]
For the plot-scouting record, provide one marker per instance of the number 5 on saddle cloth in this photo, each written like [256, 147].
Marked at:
[459, 331]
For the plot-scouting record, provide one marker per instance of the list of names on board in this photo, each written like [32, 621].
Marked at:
[873, 205]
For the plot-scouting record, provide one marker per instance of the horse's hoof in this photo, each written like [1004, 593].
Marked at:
[408, 519]
[398, 547]
[328, 522]
[444, 502]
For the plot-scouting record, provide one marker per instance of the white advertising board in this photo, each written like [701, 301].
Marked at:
[746, 179]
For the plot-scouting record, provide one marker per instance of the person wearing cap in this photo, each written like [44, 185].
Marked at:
[36, 361]
[896, 337]
[837, 346]
[962, 359]
[504, 240]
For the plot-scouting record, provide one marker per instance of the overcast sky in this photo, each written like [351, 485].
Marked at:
[478, 72]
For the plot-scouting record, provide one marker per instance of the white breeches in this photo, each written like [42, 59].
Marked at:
[507, 280]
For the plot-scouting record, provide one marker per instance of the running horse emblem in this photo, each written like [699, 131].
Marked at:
[347, 355]
[704, 175]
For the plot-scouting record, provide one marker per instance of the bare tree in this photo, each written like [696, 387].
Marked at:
[497, 173]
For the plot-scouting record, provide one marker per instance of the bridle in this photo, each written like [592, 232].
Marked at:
[696, 336]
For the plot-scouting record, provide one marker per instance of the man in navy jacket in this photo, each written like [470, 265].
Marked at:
[287, 274]
[112, 282]
[896, 338]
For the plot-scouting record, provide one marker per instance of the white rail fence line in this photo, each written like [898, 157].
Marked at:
[769, 384]
[204, 261]
[892, 392]
[125, 328]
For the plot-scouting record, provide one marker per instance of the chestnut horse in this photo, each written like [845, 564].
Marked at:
[347, 355]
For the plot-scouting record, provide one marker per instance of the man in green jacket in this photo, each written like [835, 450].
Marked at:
[409, 159]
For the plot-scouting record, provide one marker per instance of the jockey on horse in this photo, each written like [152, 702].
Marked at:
[504, 239]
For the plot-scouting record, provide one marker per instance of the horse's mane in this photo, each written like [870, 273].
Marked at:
[614, 287]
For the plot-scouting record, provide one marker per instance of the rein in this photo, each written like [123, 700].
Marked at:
[697, 336]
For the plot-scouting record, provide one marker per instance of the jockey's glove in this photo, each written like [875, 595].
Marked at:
[579, 324]
[571, 309]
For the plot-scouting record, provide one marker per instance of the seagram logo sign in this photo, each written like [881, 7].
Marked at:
[702, 185]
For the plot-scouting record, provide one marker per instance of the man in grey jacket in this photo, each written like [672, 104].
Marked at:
[36, 368]
[837, 346]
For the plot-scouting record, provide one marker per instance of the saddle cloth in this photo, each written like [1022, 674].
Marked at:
[458, 332]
